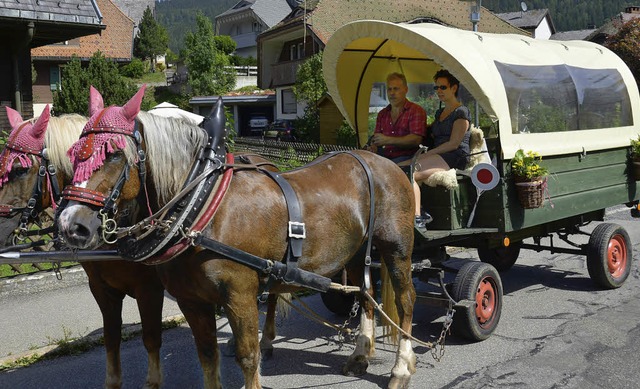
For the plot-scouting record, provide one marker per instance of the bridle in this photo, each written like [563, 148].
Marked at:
[108, 202]
[33, 207]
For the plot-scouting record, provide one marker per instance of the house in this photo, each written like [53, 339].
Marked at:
[306, 30]
[135, 8]
[537, 22]
[248, 18]
[611, 27]
[26, 25]
[575, 35]
[115, 42]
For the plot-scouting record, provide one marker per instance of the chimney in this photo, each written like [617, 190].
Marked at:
[634, 9]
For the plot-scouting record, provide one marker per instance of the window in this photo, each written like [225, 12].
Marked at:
[289, 103]
[54, 78]
[564, 98]
[292, 53]
[300, 51]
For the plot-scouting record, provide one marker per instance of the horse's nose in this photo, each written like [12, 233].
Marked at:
[77, 229]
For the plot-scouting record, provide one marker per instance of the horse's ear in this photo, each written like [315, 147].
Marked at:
[95, 101]
[39, 128]
[132, 107]
[15, 119]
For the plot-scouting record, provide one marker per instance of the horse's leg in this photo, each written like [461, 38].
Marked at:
[269, 329]
[242, 313]
[358, 361]
[110, 302]
[150, 299]
[202, 320]
[399, 269]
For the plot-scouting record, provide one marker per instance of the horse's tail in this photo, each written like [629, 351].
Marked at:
[388, 305]
[283, 306]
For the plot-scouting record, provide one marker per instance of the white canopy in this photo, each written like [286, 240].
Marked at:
[169, 110]
[363, 52]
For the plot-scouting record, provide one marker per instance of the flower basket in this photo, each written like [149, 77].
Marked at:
[636, 169]
[531, 192]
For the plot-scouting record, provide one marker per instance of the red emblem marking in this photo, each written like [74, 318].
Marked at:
[485, 176]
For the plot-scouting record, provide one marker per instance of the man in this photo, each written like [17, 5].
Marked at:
[400, 126]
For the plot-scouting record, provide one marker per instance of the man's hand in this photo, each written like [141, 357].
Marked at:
[371, 147]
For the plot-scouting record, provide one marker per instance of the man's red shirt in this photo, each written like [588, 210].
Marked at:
[412, 120]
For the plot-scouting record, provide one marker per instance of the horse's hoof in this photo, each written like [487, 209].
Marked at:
[356, 366]
[399, 383]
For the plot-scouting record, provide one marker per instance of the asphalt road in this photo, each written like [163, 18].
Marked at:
[557, 330]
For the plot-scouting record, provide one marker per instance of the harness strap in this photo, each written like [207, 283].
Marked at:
[72, 192]
[296, 228]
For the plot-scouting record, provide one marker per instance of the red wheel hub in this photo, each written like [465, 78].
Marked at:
[485, 301]
[617, 256]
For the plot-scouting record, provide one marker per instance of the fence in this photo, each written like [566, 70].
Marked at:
[274, 149]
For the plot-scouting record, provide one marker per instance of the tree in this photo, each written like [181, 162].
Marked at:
[152, 39]
[225, 44]
[208, 72]
[626, 44]
[73, 95]
[310, 87]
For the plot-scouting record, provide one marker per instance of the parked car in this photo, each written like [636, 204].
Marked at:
[258, 123]
[280, 129]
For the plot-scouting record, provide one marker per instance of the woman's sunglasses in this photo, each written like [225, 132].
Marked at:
[441, 87]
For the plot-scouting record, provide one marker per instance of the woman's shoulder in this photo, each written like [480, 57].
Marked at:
[462, 112]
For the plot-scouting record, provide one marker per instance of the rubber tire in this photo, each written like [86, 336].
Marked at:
[502, 258]
[338, 303]
[609, 242]
[474, 280]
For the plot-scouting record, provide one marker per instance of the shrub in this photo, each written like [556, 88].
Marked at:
[134, 69]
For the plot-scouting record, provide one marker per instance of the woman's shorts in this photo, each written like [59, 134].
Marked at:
[455, 160]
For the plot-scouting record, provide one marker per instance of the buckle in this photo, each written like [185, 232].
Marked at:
[297, 230]
[42, 171]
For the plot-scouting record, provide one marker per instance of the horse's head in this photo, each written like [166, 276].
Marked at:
[108, 162]
[21, 186]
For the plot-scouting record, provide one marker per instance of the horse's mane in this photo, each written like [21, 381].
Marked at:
[61, 134]
[172, 145]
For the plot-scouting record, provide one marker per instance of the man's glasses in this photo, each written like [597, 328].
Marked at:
[441, 87]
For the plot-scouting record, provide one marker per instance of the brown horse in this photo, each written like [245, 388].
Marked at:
[110, 281]
[334, 199]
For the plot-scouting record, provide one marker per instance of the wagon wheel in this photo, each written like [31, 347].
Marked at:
[480, 284]
[609, 255]
[502, 258]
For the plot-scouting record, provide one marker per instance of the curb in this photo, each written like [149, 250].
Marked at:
[42, 281]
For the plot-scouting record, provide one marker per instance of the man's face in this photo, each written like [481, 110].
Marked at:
[396, 91]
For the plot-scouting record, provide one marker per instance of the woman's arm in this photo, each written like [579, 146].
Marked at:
[460, 127]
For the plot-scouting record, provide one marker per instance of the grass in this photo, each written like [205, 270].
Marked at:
[8, 271]
[151, 77]
[68, 345]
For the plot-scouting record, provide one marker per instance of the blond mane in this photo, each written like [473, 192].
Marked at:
[172, 145]
[62, 133]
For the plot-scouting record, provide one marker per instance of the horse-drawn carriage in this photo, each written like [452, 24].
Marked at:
[575, 103]
[181, 208]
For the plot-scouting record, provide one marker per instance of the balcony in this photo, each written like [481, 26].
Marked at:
[245, 40]
[284, 73]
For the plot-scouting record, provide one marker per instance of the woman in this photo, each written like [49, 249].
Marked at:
[450, 133]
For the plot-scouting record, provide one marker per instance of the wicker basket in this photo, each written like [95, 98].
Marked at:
[530, 193]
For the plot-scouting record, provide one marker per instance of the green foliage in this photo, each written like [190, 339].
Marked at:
[346, 136]
[179, 17]
[152, 38]
[310, 87]
[526, 165]
[626, 44]
[134, 69]
[207, 73]
[225, 44]
[635, 147]
[567, 14]
[242, 61]
[103, 74]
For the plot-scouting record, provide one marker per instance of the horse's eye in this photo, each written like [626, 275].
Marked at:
[116, 156]
[18, 172]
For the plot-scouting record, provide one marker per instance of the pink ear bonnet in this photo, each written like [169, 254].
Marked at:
[25, 138]
[105, 132]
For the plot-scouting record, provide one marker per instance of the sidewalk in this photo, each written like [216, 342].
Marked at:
[38, 310]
